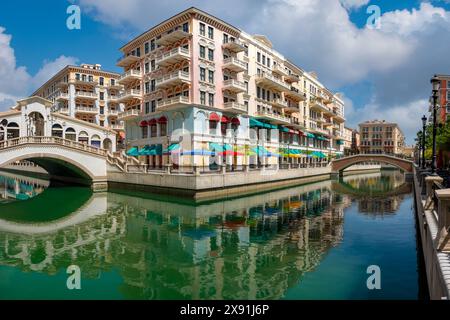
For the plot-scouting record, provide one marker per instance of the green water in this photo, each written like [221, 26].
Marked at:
[307, 242]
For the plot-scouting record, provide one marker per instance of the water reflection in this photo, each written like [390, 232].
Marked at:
[254, 247]
[13, 187]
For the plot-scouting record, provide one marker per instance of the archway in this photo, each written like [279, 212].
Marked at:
[2, 133]
[36, 124]
[83, 137]
[96, 141]
[71, 134]
[57, 131]
[107, 144]
[12, 131]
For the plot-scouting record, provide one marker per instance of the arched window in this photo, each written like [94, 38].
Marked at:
[83, 137]
[96, 141]
[71, 134]
[2, 133]
[12, 131]
[107, 144]
[57, 131]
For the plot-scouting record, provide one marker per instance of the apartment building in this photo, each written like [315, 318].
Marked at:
[87, 93]
[381, 137]
[347, 141]
[356, 138]
[201, 86]
[444, 98]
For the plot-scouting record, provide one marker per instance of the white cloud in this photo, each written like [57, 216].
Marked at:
[15, 81]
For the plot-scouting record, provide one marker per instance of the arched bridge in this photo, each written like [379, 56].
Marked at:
[63, 159]
[339, 165]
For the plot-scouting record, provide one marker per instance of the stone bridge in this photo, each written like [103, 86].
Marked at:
[339, 165]
[64, 160]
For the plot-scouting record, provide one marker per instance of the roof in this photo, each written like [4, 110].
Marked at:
[82, 122]
[32, 99]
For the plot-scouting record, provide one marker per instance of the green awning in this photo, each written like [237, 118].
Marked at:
[173, 147]
[146, 151]
[256, 123]
[219, 148]
[339, 142]
[283, 129]
[133, 152]
[310, 135]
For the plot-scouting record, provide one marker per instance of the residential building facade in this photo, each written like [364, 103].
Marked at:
[356, 138]
[86, 93]
[444, 98]
[381, 137]
[198, 85]
[348, 137]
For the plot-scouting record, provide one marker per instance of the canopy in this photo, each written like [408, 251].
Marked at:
[218, 147]
[152, 122]
[339, 142]
[310, 135]
[147, 151]
[283, 129]
[224, 119]
[214, 117]
[143, 123]
[235, 121]
[318, 154]
[263, 152]
[256, 123]
[163, 119]
[133, 152]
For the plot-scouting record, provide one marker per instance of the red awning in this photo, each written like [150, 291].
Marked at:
[162, 120]
[152, 122]
[224, 119]
[235, 121]
[214, 117]
[292, 131]
[301, 133]
[143, 123]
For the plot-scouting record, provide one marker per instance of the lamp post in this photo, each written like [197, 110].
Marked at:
[424, 125]
[435, 84]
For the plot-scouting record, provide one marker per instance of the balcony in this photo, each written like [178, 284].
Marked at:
[125, 61]
[86, 110]
[316, 104]
[115, 86]
[292, 106]
[62, 84]
[84, 82]
[130, 95]
[173, 56]
[113, 98]
[292, 77]
[295, 94]
[113, 113]
[173, 103]
[338, 134]
[280, 103]
[235, 107]
[86, 95]
[234, 46]
[172, 37]
[128, 115]
[280, 70]
[271, 82]
[117, 127]
[62, 97]
[173, 79]
[234, 86]
[338, 116]
[234, 64]
[273, 117]
[130, 76]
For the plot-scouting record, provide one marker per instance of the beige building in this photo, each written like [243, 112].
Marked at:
[379, 136]
[85, 93]
[347, 141]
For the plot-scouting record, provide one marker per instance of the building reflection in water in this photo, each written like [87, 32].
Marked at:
[13, 187]
[254, 247]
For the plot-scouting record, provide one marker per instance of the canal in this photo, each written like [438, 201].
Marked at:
[312, 241]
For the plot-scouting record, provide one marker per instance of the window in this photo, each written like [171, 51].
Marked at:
[153, 85]
[211, 32]
[268, 62]
[138, 52]
[264, 60]
[77, 76]
[147, 67]
[102, 81]
[258, 57]
[144, 132]
[91, 78]
[202, 29]
[102, 96]
[246, 105]
[153, 65]
[153, 104]
[113, 82]
[152, 45]
[211, 99]
[147, 87]
[203, 97]
[246, 50]
[102, 123]
[225, 38]
[153, 131]
[212, 127]
[147, 107]
[211, 76]
[202, 52]
[163, 129]
[202, 74]
[146, 48]
[246, 86]
[210, 54]
[186, 27]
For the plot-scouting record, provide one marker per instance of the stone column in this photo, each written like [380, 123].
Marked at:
[443, 212]
[429, 182]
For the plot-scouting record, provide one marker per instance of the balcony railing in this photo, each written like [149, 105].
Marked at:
[173, 56]
[234, 85]
[86, 110]
[129, 94]
[234, 46]
[117, 127]
[295, 94]
[277, 118]
[234, 64]
[130, 75]
[272, 82]
[235, 107]
[279, 103]
[173, 79]
[125, 61]
[172, 37]
[173, 102]
[129, 114]
[62, 96]
[85, 81]
[280, 69]
[85, 95]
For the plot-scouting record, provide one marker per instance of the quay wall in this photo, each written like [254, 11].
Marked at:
[437, 263]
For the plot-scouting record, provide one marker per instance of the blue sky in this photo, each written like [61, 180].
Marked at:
[382, 73]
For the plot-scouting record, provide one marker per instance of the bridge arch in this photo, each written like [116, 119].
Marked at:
[339, 165]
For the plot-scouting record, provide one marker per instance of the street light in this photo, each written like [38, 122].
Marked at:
[435, 82]
[424, 124]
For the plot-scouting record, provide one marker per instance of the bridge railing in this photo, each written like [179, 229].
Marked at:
[52, 140]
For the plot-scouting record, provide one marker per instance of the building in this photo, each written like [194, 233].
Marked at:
[408, 151]
[199, 85]
[444, 98]
[86, 93]
[348, 138]
[356, 138]
[379, 136]
[36, 117]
